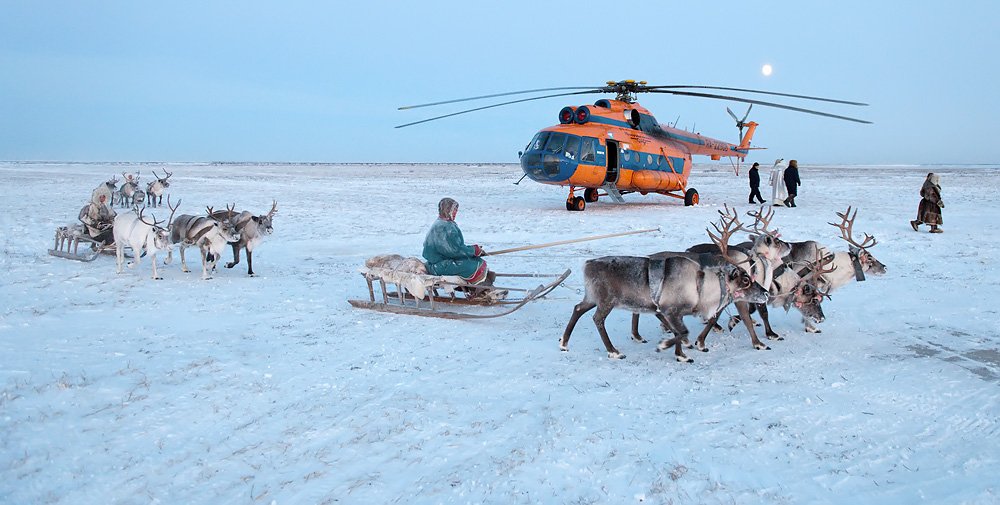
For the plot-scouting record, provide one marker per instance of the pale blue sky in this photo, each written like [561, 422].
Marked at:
[321, 81]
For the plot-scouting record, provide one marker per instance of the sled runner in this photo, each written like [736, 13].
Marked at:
[68, 240]
[426, 295]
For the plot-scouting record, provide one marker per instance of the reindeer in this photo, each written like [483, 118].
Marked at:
[129, 194]
[154, 188]
[131, 229]
[209, 234]
[252, 230]
[798, 287]
[671, 288]
[758, 258]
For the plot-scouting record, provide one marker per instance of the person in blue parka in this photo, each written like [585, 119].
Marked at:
[446, 252]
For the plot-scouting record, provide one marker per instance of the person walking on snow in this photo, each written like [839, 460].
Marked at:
[446, 252]
[755, 183]
[929, 210]
[777, 181]
[792, 182]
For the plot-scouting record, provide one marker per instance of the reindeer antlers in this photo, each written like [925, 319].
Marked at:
[762, 220]
[847, 223]
[274, 208]
[819, 269]
[728, 219]
[173, 208]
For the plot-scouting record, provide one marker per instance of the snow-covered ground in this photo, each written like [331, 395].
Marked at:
[121, 389]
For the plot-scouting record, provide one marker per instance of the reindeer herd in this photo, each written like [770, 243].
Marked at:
[210, 233]
[706, 278]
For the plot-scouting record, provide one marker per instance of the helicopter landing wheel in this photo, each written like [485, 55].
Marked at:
[590, 195]
[691, 197]
[577, 204]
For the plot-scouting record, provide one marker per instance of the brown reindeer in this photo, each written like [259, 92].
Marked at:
[670, 287]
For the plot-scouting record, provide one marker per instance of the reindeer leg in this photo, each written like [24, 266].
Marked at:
[744, 310]
[580, 309]
[635, 329]
[762, 308]
[153, 259]
[709, 326]
[120, 255]
[669, 328]
[599, 316]
[236, 255]
[676, 324]
[204, 263]
[250, 263]
[184, 267]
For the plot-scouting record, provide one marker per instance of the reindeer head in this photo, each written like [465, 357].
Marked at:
[767, 242]
[738, 281]
[161, 235]
[112, 183]
[859, 251]
[808, 293]
[264, 221]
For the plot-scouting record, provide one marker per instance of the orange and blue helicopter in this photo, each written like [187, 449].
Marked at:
[616, 146]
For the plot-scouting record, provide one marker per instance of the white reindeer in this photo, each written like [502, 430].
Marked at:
[132, 230]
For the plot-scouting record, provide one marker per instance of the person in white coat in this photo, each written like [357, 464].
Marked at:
[777, 181]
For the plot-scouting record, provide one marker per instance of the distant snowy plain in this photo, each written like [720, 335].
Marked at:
[273, 390]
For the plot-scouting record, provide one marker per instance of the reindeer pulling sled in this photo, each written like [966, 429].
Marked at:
[405, 287]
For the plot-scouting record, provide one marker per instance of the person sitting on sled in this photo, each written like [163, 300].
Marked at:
[98, 218]
[446, 252]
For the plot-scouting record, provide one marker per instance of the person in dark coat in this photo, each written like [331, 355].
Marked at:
[792, 182]
[755, 183]
[929, 210]
[445, 249]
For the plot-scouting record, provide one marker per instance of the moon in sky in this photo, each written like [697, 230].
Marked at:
[766, 70]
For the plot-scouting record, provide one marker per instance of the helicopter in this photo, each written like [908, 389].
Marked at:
[616, 146]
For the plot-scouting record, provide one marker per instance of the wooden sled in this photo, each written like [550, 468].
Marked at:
[69, 239]
[447, 292]
[68, 242]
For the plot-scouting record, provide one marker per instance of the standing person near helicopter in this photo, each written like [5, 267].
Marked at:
[755, 184]
[446, 252]
[777, 181]
[792, 182]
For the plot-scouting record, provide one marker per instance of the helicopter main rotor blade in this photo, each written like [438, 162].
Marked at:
[591, 90]
[758, 102]
[832, 100]
[405, 107]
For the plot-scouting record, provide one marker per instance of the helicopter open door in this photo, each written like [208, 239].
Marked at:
[611, 177]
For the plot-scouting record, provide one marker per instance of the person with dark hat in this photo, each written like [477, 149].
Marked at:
[755, 183]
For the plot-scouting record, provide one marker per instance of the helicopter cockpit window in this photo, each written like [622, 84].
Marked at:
[539, 141]
[556, 142]
[587, 150]
[572, 146]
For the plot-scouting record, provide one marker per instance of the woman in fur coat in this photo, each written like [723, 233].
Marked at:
[929, 210]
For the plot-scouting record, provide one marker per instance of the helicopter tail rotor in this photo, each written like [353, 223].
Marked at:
[740, 123]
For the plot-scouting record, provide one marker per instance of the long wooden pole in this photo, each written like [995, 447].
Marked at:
[571, 241]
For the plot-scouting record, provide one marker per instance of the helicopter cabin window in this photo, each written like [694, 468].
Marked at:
[556, 142]
[539, 141]
[625, 154]
[587, 150]
[649, 159]
[572, 146]
[659, 160]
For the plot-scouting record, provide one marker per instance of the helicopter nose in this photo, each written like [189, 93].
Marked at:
[546, 167]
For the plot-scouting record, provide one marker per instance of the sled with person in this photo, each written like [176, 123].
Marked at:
[402, 286]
